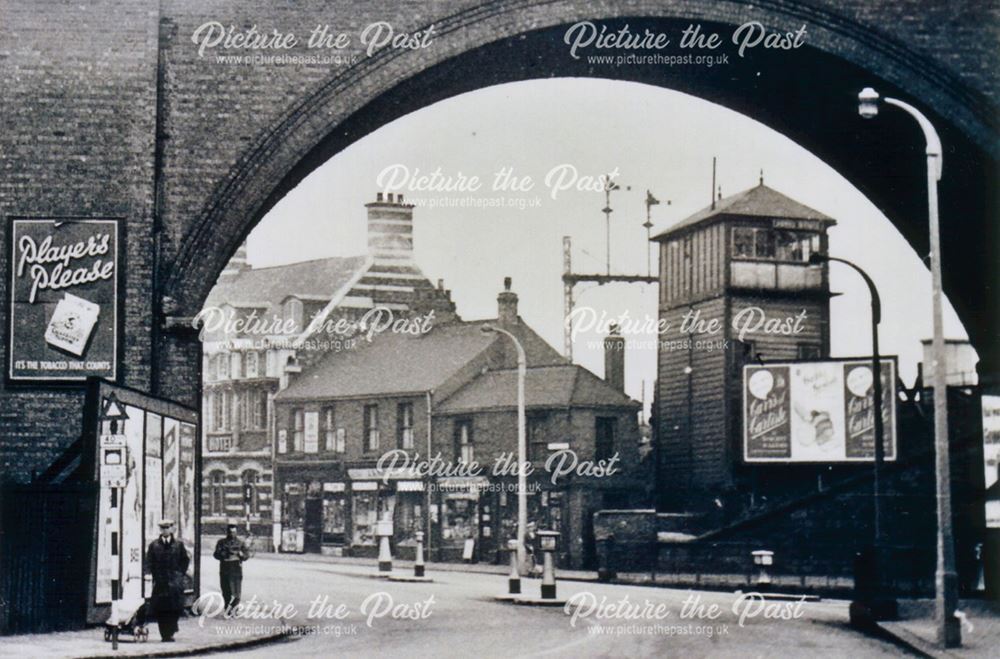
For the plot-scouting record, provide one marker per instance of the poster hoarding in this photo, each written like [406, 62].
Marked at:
[816, 411]
[64, 300]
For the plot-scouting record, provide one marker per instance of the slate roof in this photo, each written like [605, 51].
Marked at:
[566, 385]
[758, 201]
[391, 364]
[319, 279]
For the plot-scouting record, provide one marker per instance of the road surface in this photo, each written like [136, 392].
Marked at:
[456, 616]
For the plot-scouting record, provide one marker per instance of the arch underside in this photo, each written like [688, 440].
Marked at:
[809, 95]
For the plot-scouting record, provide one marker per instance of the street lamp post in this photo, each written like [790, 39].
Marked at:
[881, 606]
[949, 631]
[522, 449]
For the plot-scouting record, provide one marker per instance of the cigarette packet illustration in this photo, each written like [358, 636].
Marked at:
[71, 324]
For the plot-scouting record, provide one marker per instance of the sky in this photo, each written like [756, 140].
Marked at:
[565, 134]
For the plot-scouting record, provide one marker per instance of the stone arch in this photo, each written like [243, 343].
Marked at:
[511, 40]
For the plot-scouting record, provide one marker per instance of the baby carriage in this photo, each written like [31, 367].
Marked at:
[127, 617]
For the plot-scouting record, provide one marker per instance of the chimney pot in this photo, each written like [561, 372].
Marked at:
[399, 198]
[378, 196]
[440, 284]
[390, 197]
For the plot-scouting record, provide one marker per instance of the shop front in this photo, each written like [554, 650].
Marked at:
[464, 519]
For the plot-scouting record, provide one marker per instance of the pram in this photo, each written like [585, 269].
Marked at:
[127, 617]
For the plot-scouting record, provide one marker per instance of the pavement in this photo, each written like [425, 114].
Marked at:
[309, 606]
[215, 636]
[916, 631]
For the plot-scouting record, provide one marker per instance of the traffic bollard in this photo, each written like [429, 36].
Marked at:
[514, 580]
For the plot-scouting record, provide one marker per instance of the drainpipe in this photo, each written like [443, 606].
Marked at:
[427, 487]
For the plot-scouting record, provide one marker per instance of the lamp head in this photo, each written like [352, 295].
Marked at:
[818, 259]
[868, 103]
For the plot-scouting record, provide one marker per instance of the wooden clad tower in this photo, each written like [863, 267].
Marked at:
[735, 286]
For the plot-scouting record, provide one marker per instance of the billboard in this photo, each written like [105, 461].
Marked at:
[147, 466]
[816, 411]
[64, 299]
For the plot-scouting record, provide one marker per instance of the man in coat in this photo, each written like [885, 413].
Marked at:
[167, 561]
[230, 551]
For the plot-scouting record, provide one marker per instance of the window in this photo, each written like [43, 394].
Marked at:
[251, 499]
[404, 419]
[538, 450]
[464, 448]
[221, 410]
[604, 440]
[743, 242]
[774, 245]
[331, 439]
[237, 366]
[809, 351]
[258, 405]
[239, 411]
[252, 364]
[371, 428]
[222, 366]
[216, 493]
[298, 429]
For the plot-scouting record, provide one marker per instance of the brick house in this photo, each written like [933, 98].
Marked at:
[450, 392]
[261, 324]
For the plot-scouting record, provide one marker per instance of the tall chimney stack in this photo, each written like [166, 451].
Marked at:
[507, 304]
[390, 230]
[614, 358]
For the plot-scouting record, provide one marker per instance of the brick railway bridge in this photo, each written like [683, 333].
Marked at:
[108, 110]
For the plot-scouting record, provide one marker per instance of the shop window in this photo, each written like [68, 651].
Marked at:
[464, 447]
[251, 495]
[604, 444]
[371, 428]
[217, 494]
[460, 519]
[365, 516]
[334, 518]
[404, 419]
[298, 428]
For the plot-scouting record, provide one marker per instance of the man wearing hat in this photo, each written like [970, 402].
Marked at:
[167, 561]
[230, 551]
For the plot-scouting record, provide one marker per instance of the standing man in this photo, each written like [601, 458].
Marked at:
[167, 561]
[230, 551]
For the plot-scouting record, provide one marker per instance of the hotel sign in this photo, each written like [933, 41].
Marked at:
[817, 411]
[64, 279]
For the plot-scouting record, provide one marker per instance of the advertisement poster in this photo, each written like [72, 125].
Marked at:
[63, 315]
[509, 328]
[817, 412]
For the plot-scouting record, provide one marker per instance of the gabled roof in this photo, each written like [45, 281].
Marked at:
[391, 363]
[267, 288]
[566, 385]
[758, 201]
